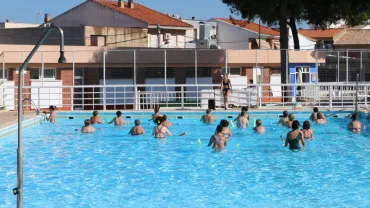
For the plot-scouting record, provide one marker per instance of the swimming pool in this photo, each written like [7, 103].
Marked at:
[63, 168]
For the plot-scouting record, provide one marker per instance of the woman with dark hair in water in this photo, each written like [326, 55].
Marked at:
[294, 138]
[160, 131]
[226, 89]
[307, 131]
[283, 119]
[354, 125]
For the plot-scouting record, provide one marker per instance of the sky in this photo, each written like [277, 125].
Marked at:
[26, 13]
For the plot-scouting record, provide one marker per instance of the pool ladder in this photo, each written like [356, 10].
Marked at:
[33, 105]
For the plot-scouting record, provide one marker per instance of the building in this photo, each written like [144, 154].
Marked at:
[325, 37]
[241, 34]
[203, 34]
[163, 30]
[9, 24]
[305, 42]
[79, 36]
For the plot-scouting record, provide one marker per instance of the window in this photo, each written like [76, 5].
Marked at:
[305, 71]
[49, 73]
[231, 71]
[35, 73]
[1, 74]
[234, 71]
[202, 72]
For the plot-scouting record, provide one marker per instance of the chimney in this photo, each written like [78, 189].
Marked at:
[131, 4]
[47, 18]
[121, 3]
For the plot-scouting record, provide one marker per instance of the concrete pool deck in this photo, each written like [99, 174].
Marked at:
[10, 118]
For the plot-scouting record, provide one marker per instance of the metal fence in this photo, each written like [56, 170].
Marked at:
[113, 97]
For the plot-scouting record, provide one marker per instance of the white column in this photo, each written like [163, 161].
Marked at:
[73, 68]
[42, 68]
[338, 68]
[226, 60]
[196, 67]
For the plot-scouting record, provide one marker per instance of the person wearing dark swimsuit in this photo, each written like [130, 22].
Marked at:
[294, 138]
[226, 89]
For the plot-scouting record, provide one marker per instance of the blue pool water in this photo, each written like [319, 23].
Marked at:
[63, 168]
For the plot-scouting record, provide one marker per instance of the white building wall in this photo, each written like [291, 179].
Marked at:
[47, 96]
[7, 94]
[190, 34]
[93, 14]
[304, 42]
[5, 25]
[233, 37]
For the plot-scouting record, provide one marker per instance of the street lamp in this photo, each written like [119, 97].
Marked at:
[19, 189]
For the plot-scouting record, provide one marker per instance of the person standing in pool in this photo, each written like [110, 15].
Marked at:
[294, 138]
[313, 116]
[52, 114]
[226, 89]
[290, 121]
[87, 128]
[156, 113]
[160, 131]
[165, 122]
[259, 128]
[218, 140]
[226, 131]
[245, 109]
[283, 119]
[208, 118]
[118, 121]
[306, 131]
[95, 119]
[354, 125]
[137, 129]
[242, 122]
[320, 119]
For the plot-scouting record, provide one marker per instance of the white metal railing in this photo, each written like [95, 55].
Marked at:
[112, 97]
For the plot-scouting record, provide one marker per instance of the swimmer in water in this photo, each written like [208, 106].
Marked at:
[294, 138]
[259, 128]
[95, 119]
[118, 121]
[283, 119]
[226, 131]
[218, 140]
[313, 116]
[306, 131]
[208, 118]
[290, 121]
[160, 131]
[245, 109]
[137, 129]
[88, 128]
[52, 116]
[320, 119]
[354, 125]
[242, 122]
[156, 113]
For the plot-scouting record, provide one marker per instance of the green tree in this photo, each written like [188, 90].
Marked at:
[290, 12]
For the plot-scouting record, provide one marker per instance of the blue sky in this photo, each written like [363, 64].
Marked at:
[25, 10]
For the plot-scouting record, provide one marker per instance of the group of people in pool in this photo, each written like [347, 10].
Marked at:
[295, 138]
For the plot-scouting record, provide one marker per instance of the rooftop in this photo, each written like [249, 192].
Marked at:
[354, 37]
[251, 26]
[320, 34]
[144, 14]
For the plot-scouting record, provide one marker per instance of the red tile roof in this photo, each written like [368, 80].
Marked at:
[320, 34]
[354, 37]
[251, 26]
[144, 14]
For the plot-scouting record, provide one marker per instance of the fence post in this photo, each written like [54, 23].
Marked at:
[38, 98]
[365, 96]
[104, 98]
[182, 97]
[71, 98]
[347, 66]
[135, 98]
[330, 97]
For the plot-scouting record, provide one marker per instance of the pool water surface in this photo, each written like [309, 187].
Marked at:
[64, 168]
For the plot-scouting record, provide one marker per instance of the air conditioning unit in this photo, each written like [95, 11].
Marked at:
[167, 36]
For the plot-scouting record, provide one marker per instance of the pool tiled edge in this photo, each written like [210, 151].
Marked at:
[13, 128]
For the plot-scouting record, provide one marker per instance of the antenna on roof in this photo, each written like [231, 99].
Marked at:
[38, 13]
